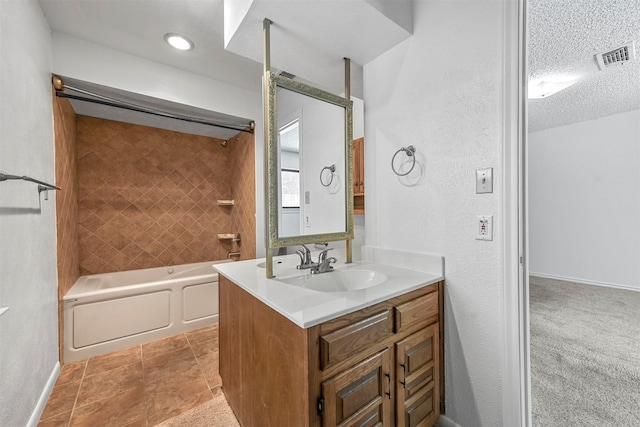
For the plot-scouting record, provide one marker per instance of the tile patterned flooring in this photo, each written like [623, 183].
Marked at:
[139, 386]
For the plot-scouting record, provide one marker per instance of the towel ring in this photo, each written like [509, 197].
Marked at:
[332, 168]
[411, 151]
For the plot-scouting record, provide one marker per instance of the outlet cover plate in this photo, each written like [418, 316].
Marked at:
[484, 227]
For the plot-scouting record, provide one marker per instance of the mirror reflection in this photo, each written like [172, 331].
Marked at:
[312, 165]
[309, 165]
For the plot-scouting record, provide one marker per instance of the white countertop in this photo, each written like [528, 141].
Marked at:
[306, 307]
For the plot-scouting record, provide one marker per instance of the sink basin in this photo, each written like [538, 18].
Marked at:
[286, 263]
[344, 280]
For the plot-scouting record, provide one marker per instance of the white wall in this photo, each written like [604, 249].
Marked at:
[442, 91]
[358, 117]
[93, 63]
[584, 201]
[28, 284]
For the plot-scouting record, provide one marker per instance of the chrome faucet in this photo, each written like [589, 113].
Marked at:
[324, 263]
[305, 258]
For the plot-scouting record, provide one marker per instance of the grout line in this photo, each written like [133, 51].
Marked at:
[75, 401]
[106, 398]
[204, 377]
[144, 386]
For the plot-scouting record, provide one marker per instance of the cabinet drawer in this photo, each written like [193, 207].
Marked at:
[342, 343]
[416, 311]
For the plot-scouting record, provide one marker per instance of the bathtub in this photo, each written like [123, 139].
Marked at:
[108, 312]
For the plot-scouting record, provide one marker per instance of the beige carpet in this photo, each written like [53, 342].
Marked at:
[214, 413]
[585, 355]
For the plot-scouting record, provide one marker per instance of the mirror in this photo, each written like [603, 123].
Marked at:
[309, 164]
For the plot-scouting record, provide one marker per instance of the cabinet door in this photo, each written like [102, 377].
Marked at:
[361, 395]
[358, 166]
[417, 374]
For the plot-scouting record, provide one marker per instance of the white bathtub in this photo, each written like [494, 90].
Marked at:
[108, 312]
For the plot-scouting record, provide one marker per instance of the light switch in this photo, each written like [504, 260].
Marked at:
[484, 180]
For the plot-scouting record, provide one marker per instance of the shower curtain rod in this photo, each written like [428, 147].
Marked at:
[110, 102]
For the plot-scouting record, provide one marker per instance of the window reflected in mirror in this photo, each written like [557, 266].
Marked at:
[289, 161]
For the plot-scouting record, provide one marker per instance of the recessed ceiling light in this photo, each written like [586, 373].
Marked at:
[544, 89]
[178, 41]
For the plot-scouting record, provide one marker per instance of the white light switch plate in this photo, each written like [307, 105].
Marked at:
[484, 181]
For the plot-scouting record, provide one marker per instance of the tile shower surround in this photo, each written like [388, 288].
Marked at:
[64, 120]
[147, 197]
[243, 219]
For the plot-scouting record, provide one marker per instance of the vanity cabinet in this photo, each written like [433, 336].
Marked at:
[379, 366]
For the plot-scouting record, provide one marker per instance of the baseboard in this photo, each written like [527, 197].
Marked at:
[445, 421]
[42, 402]
[584, 281]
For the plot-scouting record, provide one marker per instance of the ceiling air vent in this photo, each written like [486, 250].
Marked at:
[617, 56]
[287, 75]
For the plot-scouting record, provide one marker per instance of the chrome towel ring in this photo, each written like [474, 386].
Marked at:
[411, 151]
[332, 169]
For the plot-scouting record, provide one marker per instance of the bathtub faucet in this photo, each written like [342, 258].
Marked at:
[305, 258]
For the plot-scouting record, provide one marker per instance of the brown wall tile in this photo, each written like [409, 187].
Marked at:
[243, 191]
[147, 197]
[64, 121]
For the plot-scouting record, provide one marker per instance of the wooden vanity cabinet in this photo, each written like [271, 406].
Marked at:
[358, 176]
[379, 366]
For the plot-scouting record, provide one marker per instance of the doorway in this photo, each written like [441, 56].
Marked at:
[583, 212]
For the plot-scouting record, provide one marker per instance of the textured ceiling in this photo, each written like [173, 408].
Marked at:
[564, 36]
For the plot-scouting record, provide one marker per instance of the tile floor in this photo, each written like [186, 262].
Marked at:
[140, 386]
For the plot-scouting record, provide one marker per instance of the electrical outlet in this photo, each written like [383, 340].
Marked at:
[484, 226]
[307, 222]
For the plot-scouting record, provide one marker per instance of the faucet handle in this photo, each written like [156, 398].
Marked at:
[307, 254]
[305, 258]
[323, 255]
